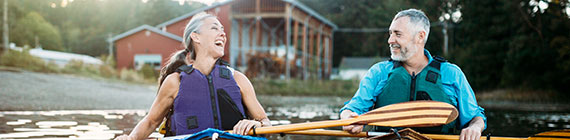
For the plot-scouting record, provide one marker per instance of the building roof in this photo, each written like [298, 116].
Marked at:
[359, 62]
[293, 2]
[311, 12]
[174, 20]
[146, 27]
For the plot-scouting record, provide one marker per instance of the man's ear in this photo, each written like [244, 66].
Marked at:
[195, 37]
[421, 36]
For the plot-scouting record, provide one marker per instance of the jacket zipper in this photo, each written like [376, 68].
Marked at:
[413, 87]
[213, 98]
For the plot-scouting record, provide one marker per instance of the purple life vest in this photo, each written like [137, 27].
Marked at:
[212, 101]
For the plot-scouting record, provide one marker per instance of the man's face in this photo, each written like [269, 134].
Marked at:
[402, 42]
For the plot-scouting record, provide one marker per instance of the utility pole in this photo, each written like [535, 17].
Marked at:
[5, 33]
[445, 39]
[36, 41]
[110, 47]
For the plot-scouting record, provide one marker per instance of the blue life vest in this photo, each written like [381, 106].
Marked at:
[206, 101]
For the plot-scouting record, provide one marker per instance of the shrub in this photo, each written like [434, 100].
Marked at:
[26, 61]
[131, 75]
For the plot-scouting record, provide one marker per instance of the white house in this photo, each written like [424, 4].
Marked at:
[356, 67]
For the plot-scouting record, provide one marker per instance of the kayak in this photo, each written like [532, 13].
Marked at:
[550, 135]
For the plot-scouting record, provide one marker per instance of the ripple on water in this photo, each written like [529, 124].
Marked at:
[61, 126]
[19, 122]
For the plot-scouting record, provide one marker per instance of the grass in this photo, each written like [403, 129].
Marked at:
[523, 95]
[14, 60]
[26, 61]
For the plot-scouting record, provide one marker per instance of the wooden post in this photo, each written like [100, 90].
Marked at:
[304, 49]
[311, 48]
[319, 35]
[277, 32]
[295, 41]
[5, 34]
[330, 46]
[258, 24]
[287, 40]
[250, 52]
[326, 74]
[240, 40]
[258, 33]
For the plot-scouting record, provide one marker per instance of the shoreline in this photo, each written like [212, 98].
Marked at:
[521, 106]
[32, 91]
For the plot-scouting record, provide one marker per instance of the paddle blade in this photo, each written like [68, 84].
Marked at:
[552, 135]
[410, 114]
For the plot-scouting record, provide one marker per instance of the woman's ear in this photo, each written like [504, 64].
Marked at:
[195, 37]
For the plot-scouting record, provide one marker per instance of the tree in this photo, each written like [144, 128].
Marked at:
[34, 25]
[514, 44]
[375, 14]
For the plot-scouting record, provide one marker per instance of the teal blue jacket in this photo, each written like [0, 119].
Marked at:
[455, 85]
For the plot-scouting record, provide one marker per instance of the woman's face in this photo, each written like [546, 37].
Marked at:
[211, 38]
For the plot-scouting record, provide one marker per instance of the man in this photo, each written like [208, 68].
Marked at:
[413, 74]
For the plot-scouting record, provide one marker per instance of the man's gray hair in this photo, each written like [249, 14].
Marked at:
[418, 20]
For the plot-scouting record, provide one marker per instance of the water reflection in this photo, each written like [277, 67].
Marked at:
[106, 124]
[525, 123]
[66, 124]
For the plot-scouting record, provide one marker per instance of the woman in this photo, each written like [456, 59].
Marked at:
[205, 94]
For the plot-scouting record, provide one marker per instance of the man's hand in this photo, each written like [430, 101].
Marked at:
[353, 129]
[470, 133]
[473, 131]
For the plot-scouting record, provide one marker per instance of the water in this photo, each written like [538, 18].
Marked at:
[107, 124]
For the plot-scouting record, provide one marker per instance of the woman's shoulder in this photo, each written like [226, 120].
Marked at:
[173, 78]
[238, 74]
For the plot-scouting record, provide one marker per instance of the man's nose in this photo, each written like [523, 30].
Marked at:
[391, 40]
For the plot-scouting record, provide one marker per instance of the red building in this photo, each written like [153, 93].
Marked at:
[282, 28]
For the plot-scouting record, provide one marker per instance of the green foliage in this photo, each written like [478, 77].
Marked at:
[131, 75]
[498, 43]
[80, 68]
[149, 73]
[34, 25]
[83, 26]
[507, 45]
[375, 14]
[26, 61]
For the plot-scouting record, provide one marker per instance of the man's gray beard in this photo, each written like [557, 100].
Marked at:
[405, 54]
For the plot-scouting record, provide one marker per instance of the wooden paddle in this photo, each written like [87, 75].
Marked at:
[550, 135]
[407, 114]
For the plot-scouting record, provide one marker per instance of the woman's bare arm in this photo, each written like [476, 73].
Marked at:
[254, 108]
[163, 101]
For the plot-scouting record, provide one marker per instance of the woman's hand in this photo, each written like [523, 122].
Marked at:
[243, 126]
